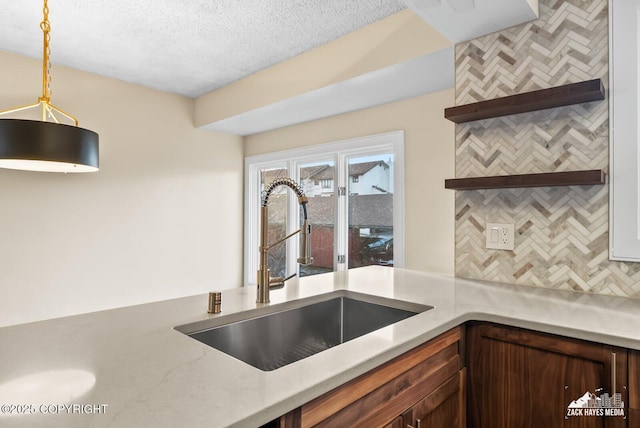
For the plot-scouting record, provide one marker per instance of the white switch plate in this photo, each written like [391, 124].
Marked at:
[500, 236]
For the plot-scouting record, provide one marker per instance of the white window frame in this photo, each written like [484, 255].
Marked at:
[624, 136]
[340, 152]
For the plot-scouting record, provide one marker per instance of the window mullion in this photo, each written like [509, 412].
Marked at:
[342, 219]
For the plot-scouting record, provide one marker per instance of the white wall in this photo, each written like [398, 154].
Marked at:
[161, 219]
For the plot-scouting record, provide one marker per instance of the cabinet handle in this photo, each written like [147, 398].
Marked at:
[613, 373]
[418, 424]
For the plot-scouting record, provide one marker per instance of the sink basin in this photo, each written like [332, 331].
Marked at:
[274, 336]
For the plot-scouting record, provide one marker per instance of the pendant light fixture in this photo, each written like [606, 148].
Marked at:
[46, 145]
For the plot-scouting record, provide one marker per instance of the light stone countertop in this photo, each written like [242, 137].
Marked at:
[150, 375]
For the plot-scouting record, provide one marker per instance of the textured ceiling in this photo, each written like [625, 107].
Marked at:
[189, 47]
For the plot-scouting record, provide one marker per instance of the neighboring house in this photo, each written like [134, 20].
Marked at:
[370, 178]
[317, 180]
[366, 178]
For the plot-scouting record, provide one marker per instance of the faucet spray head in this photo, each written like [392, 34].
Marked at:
[305, 244]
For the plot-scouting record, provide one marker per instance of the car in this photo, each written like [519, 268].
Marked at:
[379, 252]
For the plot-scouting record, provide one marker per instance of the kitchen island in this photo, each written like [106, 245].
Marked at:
[148, 374]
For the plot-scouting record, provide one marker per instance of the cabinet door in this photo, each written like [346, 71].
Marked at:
[444, 407]
[634, 389]
[520, 378]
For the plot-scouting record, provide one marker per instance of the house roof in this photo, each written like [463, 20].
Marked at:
[321, 172]
[371, 210]
[326, 171]
[364, 167]
[317, 172]
[271, 174]
[364, 210]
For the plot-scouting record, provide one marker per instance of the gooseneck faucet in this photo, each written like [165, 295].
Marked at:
[265, 282]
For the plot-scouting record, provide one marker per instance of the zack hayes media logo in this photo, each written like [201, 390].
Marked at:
[592, 405]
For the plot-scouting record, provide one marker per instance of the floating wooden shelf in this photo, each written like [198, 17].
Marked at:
[547, 179]
[573, 93]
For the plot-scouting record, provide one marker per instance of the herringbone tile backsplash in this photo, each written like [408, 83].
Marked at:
[561, 232]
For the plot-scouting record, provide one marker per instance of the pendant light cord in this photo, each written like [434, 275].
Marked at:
[49, 111]
[45, 26]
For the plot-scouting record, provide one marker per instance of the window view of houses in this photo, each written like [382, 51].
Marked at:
[369, 193]
[370, 190]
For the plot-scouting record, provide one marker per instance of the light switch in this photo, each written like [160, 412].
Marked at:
[494, 235]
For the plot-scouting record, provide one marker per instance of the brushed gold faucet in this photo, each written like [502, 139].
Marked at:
[265, 282]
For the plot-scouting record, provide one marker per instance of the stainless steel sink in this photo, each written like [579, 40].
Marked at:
[274, 336]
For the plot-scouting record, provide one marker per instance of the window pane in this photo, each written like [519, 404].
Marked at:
[277, 219]
[317, 180]
[371, 210]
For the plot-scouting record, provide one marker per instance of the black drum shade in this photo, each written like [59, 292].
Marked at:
[47, 146]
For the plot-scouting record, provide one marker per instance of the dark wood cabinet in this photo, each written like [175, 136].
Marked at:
[521, 378]
[634, 389]
[482, 375]
[425, 383]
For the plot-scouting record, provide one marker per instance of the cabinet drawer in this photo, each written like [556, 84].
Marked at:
[378, 397]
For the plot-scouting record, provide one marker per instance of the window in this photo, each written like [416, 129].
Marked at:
[355, 179]
[624, 92]
[350, 227]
